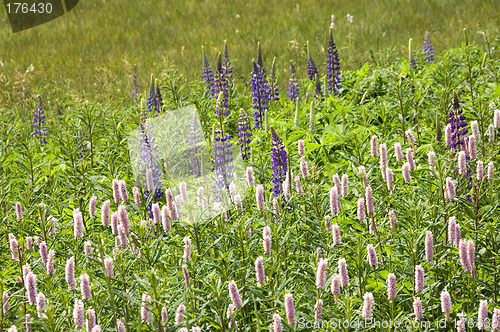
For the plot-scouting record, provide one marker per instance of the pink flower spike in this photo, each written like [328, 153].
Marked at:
[250, 177]
[179, 314]
[137, 199]
[461, 162]
[419, 279]
[495, 320]
[92, 206]
[391, 286]
[108, 266]
[187, 249]
[85, 287]
[367, 305]
[116, 190]
[19, 211]
[40, 304]
[409, 158]
[373, 146]
[31, 287]
[91, 320]
[406, 172]
[429, 251]
[301, 148]
[392, 219]
[361, 209]
[289, 309]
[479, 170]
[482, 315]
[446, 304]
[183, 191]
[260, 197]
[370, 208]
[105, 213]
[372, 255]
[259, 271]
[303, 168]
[122, 215]
[123, 191]
[417, 308]
[336, 234]
[235, 295]
[344, 277]
[78, 223]
[70, 273]
[277, 327]
[186, 275]
[78, 314]
[321, 273]
[146, 308]
[398, 151]
[490, 171]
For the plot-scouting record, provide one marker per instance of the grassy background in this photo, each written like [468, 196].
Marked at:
[90, 51]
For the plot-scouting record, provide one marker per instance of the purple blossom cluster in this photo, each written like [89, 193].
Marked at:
[221, 84]
[222, 159]
[428, 49]
[279, 161]
[207, 77]
[194, 139]
[456, 129]
[39, 122]
[332, 65]
[312, 70]
[260, 90]
[135, 86]
[244, 135]
[293, 84]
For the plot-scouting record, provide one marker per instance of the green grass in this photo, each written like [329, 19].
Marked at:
[85, 52]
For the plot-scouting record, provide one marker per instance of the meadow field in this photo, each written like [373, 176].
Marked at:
[354, 188]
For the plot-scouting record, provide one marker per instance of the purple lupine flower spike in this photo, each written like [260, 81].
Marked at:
[428, 49]
[221, 85]
[159, 100]
[279, 160]
[151, 100]
[244, 134]
[39, 123]
[207, 76]
[293, 84]
[195, 138]
[312, 70]
[273, 83]
[135, 86]
[332, 65]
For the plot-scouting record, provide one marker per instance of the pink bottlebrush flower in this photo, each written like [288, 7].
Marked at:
[458, 235]
[267, 244]
[409, 158]
[31, 287]
[14, 246]
[373, 146]
[259, 271]
[44, 252]
[466, 144]
[238, 203]
[277, 327]
[201, 200]
[389, 177]
[451, 188]
[146, 307]
[70, 273]
[367, 305]
[419, 279]
[123, 191]
[250, 177]
[398, 151]
[336, 234]
[234, 294]
[475, 130]
[91, 320]
[392, 219]
[336, 181]
[40, 304]
[372, 255]
[335, 286]
[383, 158]
[156, 213]
[298, 185]
[345, 185]
[165, 219]
[318, 315]
[364, 177]
[149, 179]
[321, 273]
[85, 287]
[480, 170]
[417, 308]
[92, 207]
[122, 215]
[490, 171]
[187, 249]
[50, 262]
[344, 277]
[266, 231]
[114, 223]
[286, 189]
[301, 148]
[289, 309]
[496, 119]
[303, 168]
[179, 314]
[19, 211]
[452, 226]
[5, 299]
[495, 320]
[183, 191]
[472, 148]
[96, 328]
[230, 311]
[361, 209]
[116, 190]
[471, 256]
[328, 223]
[446, 304]
[411, 139]
[482, 315]
[460, 325]
[447, 135]
[78, 223]
[429, 251]
[464, 254]
[461, 162]
[120, 327]
[105, 213]
[37, 240]
[370, 208]
[260, 197]
[491, 133]
[87, 248]
[372, 228]
[406, 172]
[27, 323]
[29, 243]
[432, 159]
[137, 197]
[164, 316]
[78, 314]
[108, 266]
[333, 200]
[186, 275]
[391, 286]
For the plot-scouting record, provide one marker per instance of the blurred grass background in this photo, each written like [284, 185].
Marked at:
[89, 53]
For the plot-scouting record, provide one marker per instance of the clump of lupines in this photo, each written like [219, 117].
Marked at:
[279, 160]
[293, 84]
[312, 70]
[428, 49]
[207, 76]
[244, 135]
[332, 65]
[39, 129]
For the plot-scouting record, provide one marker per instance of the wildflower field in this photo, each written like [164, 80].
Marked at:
[352, 200]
